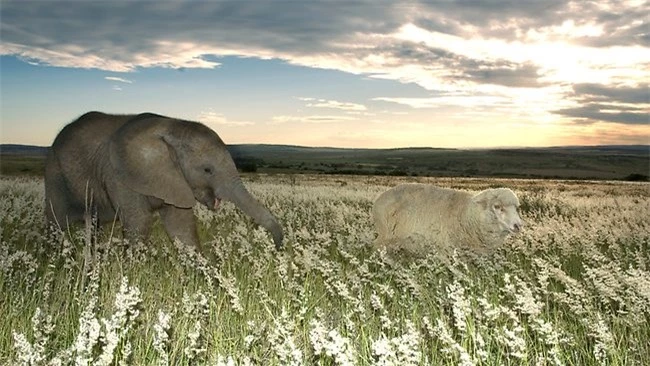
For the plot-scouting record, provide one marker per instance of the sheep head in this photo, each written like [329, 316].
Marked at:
[500, 206]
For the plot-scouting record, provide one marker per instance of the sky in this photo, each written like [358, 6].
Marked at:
[339, 73]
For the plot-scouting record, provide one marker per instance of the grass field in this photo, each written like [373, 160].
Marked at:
[18, 165]
[572, 289]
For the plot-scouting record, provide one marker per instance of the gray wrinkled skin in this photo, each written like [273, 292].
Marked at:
[134, 165]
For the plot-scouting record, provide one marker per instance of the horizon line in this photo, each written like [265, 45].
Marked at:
[398, 148]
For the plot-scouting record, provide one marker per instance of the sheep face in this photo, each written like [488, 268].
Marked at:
[501, 207]
[508, 218]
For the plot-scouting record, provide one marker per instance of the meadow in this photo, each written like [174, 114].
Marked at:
[572, 289]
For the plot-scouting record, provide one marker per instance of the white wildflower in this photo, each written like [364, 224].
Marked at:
[228, 361]
[249, 340]
[386, 322]
[195, 347]
[386, 290]
[191, 258]
[117, 327]
[402, 350]
[407, 345]
[442, 332]
[606, 280]
[331, 344]
[342, 290]
[229, 284]
[515, 342]
[488, 310]
[383, 352]
[42, 327]
[282, 341]
[603, 337]
[126, 353]
[26, 354]
[461, 306]
[375, 302]
[480, 345]
[525, 301]
[161, 337]
[88, 334]
[552, 338]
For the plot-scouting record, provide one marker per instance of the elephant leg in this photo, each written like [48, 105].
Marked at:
[134, 211]
[60, 208]
[180, 224]
[56, 206]
[136, 223]
[136, 226]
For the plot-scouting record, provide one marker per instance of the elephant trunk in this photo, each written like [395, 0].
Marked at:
[253, 208]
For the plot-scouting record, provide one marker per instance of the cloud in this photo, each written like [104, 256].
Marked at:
[131, 34]
[154, 54]
[621, 94]
[324, 103]
[591, 113]
[503, 73]
[121, 80]
[621, 104]
[455, 61]
[473, 101]
[211, 117]
[312, 119]
[461, 51]
[597, 24]
[144, 34]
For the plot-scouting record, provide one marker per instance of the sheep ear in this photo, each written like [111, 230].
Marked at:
[483, 199]
[146, 163]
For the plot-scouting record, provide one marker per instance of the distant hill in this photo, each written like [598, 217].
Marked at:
[23, 150]
[578, 162]
[630, 162]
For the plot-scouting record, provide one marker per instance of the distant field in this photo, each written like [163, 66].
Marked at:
[578, 162]
[596, 162]
[22, 165]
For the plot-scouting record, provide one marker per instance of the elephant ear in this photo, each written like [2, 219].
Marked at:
[145, 162]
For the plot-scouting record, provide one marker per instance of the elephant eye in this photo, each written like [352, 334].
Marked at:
[208, 170]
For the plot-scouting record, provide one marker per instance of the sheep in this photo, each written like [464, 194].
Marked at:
[420, 217]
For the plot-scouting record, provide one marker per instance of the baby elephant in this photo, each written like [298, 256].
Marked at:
[426, 215]
[130, 166]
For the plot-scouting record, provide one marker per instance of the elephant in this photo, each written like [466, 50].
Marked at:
[131, 166]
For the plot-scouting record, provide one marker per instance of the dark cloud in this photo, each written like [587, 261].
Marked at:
[143, 33]
[502, 18]
[125, 35]
[417, 53]
[592, 112]
[503, 73]
[119, 29]
[623, 24]
[621, 94]
[114, 29]
[622, 104]
[455, 67]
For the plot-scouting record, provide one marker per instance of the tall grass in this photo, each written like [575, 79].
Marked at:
[572, 289]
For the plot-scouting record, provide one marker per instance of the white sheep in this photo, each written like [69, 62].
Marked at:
[423, 217]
